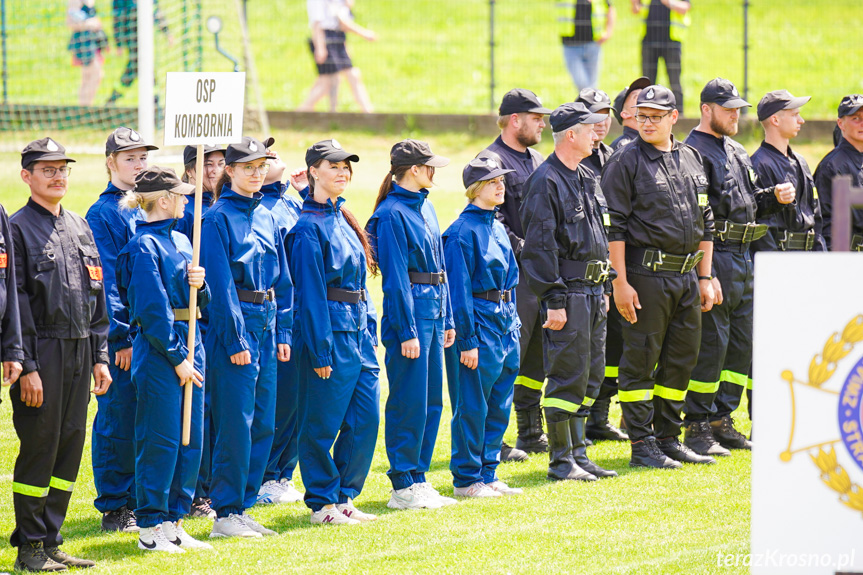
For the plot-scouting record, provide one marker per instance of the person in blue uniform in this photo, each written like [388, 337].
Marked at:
[249, 327]
[484, 362]
[153, 278]
[336, 341]
[417, 320]
[113, 440]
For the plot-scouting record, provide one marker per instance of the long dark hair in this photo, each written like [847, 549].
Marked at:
[352, 221]
[395, 173]
[224, 180]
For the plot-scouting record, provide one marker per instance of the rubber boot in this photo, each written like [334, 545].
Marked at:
[577, 430]
[531, 438]
[598, 426]
[510, 453]
[561, 465]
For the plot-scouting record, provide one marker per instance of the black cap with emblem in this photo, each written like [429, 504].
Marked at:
[778, 100]
[123, 139]
[568, 115]
[44, 150]
[723, 92]
[850, 105]
[620, 100]
[484, 167]
[595, 100]
[190, 153]
[247, 150]
[330, 150]
[521, 100]
[415, 153]
[157, 179]
[656, 97]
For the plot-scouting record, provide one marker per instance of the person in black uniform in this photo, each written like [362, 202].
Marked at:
[64, 322]
[597, 102]
[724, 367]
[565, 261]
[665, 26]
[846, 158]
[661, 230]
[624, 111]
[521, 123]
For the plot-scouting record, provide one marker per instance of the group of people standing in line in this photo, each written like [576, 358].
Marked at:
[285, 369]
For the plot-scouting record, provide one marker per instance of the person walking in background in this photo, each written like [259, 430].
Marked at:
[585, 25]
[87, 44]
[665, 26]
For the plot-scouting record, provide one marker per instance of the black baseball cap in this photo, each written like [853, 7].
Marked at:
[850, 105]
[330, 150]
[157, 179]
[595, 100]
[637, 84]
[248, 150]
[723, 92]
[484, 167]
[123, 139]
[656, 97]
[190, 153]
[777, 100]
[415, 152]
[568, 115]
[44, 150]
[521, 100]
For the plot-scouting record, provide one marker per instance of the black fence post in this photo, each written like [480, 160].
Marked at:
[491, 53]
[745, 52]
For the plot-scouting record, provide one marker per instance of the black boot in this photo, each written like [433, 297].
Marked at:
[61, 556]
[531, 438]
[579, 449]
[645, 453]
[32, 557]
[598, 426]
[672, 448]
[510, 453]
[727, 436]
[561, 464]
[699, 439]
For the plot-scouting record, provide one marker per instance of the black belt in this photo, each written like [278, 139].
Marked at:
[183, 314]
[659, 261]
[596, 271]
[346, 295]
[495, 295]
[739, 233]
[797, 241]
[857, 243]
[257, 297]
[427, 278]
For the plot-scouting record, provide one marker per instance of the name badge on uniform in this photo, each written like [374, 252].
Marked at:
[752, 176]
[4, 260]
[95, 272]
[702, 200]
[606, 220]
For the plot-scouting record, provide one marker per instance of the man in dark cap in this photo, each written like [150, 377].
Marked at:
[845, 159]
[65, 330]
[624, 111]
[661, 231]
[521, 122]
[565, 263]
[724, 367]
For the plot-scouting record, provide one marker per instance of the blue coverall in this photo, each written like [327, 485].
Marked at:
[239, 251]
[405, 235]
[480, 259]
[113, 441]
[326, 253]
[153, 280]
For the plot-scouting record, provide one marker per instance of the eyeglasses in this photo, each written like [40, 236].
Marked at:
[250, 170]
[641, 118]
[51, 172]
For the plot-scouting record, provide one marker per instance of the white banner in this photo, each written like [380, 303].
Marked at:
[204, 108]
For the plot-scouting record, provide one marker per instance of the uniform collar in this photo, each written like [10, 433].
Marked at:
[555, 161]
[42, 211]
[276, 189]
[655, 153]
[630, 132]
[412, 199]
[112, 189]
[161, 227]
[774, 150]
[525, 154]
[846, 146]
[708, 139]
[309, 204]
[486, 216]
[243, 203]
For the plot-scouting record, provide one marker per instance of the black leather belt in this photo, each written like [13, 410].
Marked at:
[659, 261]
[857, 243]
[495, 295]
[346, 295]
[183, 314]
[739, 233]
[596, 271]
[797, 241]
[427, 278]
[257, 297]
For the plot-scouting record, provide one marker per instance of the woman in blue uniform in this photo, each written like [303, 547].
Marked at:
[249, 324]
[417, 321]
[483, 365]
[336, 339]
[153, 278]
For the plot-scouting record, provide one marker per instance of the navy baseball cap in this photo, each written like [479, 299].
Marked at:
[44, 150]
[156, 179]
[778, 100]
[123, 139]
[415, 153]
[656, 97]
[850, 105]
[484, 167]
[190, 153]
[595, 100]
[723, 92]
[330, 150]
[568, 115]
[248, 150]
[637, 84]
[521, 100]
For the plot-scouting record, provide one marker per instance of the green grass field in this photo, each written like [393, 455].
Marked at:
[644, 522]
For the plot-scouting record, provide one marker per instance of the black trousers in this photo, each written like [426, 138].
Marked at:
[531, 373]
[669, 51]
[52, 441]
[659, 351]
[613, 351]
[724, 367]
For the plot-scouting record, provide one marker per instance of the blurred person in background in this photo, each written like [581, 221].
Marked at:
[665, 25]
[585, 25]
[87, 43]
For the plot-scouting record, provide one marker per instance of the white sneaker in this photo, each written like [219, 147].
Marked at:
[270, 493]
[154, 539]
[478, 489]
[331, 516]
[232, 526]
[290, 494]
[257, 527]
[176, 533]
[431, 493]
[504, 489]
[412, 498]
[348, 510]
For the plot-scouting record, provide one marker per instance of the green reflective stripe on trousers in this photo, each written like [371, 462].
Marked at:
[703, 386]
[29, 490]
[62, 484]
[611, 370]
[635, 395]
[528, 382]
[560, 404]
[734, 377]
[668, 393]
[749, 383]
[588, 402]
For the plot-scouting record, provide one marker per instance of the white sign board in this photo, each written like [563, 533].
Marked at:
[807, 462]
[204, 108]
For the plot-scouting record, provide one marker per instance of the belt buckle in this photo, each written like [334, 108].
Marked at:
[604, 270]
[810, 239]
[783, 241]
[505, 296]
[270, 295]
[652, 265]
[723, 232]
[683, 268]
[748, 232]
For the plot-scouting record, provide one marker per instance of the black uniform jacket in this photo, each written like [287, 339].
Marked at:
[843, 159]
[597, 159]
[10, 325]
[628, 135]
